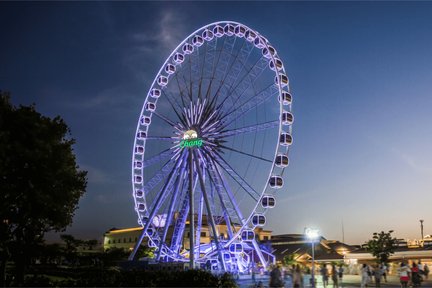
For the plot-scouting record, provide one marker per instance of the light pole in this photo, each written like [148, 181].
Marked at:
[421, 228]
[312, 235]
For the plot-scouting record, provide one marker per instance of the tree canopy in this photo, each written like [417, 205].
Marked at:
[40, 181]
[382, 245]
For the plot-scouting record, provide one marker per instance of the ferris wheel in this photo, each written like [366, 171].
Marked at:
[211, 147]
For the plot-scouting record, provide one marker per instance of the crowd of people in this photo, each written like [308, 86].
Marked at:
[371, 275]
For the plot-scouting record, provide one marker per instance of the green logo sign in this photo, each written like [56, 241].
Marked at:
[191, 143]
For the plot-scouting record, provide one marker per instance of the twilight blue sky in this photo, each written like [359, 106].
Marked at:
[360, 73]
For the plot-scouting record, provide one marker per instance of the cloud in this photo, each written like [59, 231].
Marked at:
[151, 45]
[411, 162]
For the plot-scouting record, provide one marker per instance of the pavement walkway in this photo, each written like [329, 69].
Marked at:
[349, 281]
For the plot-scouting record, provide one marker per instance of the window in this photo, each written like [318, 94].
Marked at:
[203, 234]
[109, 241]
[130, 240]
[266, 237]
[124, 240]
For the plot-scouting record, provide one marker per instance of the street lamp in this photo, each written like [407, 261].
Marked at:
[312, 235]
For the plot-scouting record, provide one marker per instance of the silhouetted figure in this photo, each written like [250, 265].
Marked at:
[324, 274]
[378, 272]
[415, 275]
[364, 276]
[334, 275]
[276, 277]
[404, 272]
[297, 277]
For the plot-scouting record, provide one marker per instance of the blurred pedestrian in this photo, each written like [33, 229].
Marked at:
[324, 274]
[426, 271]
[384, 269]
[340, 273]
[297, 277]
[404, 272]
[378, 272]
[334, 275]
[276, 277]
[364, 276]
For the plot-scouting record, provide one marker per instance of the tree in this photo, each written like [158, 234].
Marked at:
[40, 181]
[381, 246]
[290, 259]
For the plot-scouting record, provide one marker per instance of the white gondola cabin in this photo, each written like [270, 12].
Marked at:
[283, 79]
[276, 182]
[145, 120]
[187, 48]
[268, 52]
[282, 161]
[141, 134]
[248, 235]
[139, 193]
[236, 248]
[275, 64]
[138, 179]
[259, 42]
[162, 80]
[150, 106]
[139, 149]
[197, 41]
[138, 164]
[141, 207]
[285, 139]
[258, 220]
[229, 29]
[170, 69]
[286, 98]
[287, 118]
[207, 35]
[178, 58]
[218, 31]
[268, 201]
[240, 31]
[250, 35]
[155, 93]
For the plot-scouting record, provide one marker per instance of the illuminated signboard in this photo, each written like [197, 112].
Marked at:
[190, 139]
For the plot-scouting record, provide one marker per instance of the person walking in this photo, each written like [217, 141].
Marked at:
[426, 271]
[276, 277]
[334, 276]
[324, 274]
[404, 272]
[297, 277]
[378, 272]
[364, 276]
[384, 269]
[340, 274]
[415, 275]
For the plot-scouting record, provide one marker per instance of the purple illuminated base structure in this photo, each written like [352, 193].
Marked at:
[211, 148]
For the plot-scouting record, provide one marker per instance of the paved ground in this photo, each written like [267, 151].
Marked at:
[348, 281]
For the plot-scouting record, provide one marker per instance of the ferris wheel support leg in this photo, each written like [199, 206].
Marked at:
[154, 210]
[259, 253]
[210, 213]
[191, 213]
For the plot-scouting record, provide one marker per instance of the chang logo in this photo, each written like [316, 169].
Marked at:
[190, 139]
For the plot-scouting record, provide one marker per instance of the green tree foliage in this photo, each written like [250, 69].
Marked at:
[381, 246]
[40, 181]
[290, 259]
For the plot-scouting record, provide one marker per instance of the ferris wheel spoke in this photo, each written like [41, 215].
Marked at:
[209, 210]
[236, 177]
[158, 158]
[218, 187]
[251, 103]
[156, 207]
[179, 114]
[165, 118]
[177, 185]
[249, 129]
[245, 153]
[180, 89]
[228, 78]
[158, 176]
[246, 81]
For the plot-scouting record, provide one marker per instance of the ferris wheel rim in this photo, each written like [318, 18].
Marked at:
[280, 129]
